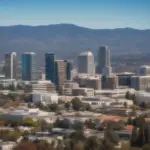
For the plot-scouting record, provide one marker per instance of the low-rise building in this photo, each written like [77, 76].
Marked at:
[124, 78]
[68, 86]
[113, 93]
[96, 102]
[142, 96]
[88, 81]
[109, 82]
[7, 145]
[89, 92]
[140, 83]
[40, 86]
[7, 82]
[44, 98]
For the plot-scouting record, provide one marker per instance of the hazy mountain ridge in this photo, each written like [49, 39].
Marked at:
[68, 39]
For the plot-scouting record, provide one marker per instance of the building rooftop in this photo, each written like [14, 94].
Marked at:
[31, 53]
[144, 66]
[86, 54]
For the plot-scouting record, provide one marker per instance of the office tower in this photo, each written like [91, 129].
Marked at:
[103, 58]
[60, 73]
[28, 66]
[10, 65]
[69, 68]
[144, 70]
[50, 67]
[86, 63]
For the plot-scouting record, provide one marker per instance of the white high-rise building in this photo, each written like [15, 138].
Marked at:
[86, 63]
[10, 65]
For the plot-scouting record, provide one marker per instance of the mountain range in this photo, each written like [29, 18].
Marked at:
[67, 40]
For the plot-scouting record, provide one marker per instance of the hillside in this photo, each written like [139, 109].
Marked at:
[67, 40]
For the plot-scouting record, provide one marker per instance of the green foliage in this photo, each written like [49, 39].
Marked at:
[90, 124]
[67, 105]
[111, 136]
[134, 136]
[53, 107]
[92, 143]
[146, 147]
[130, 96]
[79, 146]
[130, 121]
[77, 136]
[30, 123]
[76, 104]
[6, 135]
[143, 105]
[141, 137]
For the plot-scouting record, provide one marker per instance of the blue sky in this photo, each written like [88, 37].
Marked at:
[89, 13]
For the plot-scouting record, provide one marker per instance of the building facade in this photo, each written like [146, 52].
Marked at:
[28, 66]
[86, 63]
[103, 58]
[140, 83]
[60, 73]
[109, 82]
[50, 68]
[144, 70]
[10, 66]
[88, 92]
[69, 68]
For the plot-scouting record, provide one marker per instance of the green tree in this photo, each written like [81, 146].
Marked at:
[134, 137]
[79, 146]
[76, 104]
[143, 105]
[89, 124]
[146, 147]
[77, 136]
[107, 145]
[111, 135]
[147, 134]
[127, 96]
[141, 137]
[133, 97]
[129, 121]
[67, 105]
[92, 143]
[53, 107]
[125, 104]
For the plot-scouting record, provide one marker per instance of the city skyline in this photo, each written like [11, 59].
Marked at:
[98, 14]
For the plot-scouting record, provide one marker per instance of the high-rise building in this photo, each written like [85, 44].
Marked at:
[144, 70]
[60, 73]
[86, 63]
[50, 68]
[103, 59]
[69, 68]
[28, 66]
[10, 65]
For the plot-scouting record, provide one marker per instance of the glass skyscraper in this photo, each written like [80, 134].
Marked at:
[103, 58]
[50, 68]
[28, 66]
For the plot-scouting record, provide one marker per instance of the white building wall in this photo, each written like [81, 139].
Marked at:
[45, 98]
